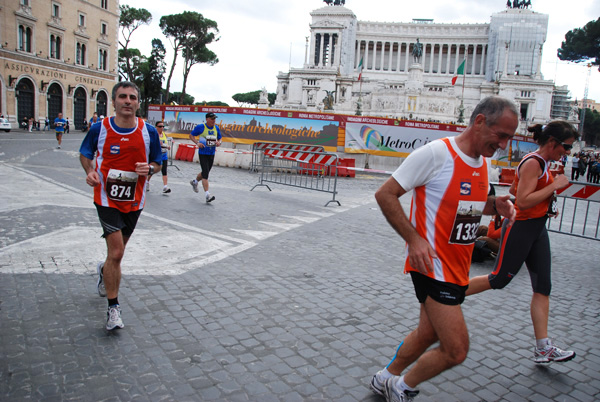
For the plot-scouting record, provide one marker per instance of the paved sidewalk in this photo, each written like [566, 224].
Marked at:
[258, 296]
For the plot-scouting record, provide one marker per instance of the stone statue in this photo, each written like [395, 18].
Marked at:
[328, 100]
[335, 2]
[417, 51]
[264, 96]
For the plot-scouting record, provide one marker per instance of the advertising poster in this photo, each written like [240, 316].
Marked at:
[246, 126]
[515, 151]
[389, 137]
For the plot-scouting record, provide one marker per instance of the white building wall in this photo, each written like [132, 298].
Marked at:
[393, 85]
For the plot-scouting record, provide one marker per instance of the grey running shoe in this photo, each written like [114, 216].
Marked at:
[101, 288]
[210, 198]
[552, 354]
[194, 184]
[393, 394]
[377, 386]
[147, 186]
[166, 190]
[113, 320]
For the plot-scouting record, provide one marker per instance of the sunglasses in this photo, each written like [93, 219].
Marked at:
[567, 147]
[159, 126]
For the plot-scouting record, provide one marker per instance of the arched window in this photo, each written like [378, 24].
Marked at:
[55, 44]
[24, 39]
[102, 58]
[80, 56]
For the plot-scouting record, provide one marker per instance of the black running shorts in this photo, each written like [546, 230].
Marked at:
[442, 292]
[113, 220]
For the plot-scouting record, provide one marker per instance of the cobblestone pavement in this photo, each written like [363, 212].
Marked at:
[259, 296]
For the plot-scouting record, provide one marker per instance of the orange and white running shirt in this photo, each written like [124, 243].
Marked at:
[545, 179]
[450, 193]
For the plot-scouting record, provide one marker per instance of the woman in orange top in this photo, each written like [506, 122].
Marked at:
[526, 241]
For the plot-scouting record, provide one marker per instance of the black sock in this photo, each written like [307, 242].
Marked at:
[112, 302]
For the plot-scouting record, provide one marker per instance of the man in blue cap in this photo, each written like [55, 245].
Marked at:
[207, 138]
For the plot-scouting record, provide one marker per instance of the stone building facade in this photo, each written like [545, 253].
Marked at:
[57, 56]
[501, 57]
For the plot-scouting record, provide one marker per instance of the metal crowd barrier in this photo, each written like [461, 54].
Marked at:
[310, 170]
[258, 149]
[579, 207]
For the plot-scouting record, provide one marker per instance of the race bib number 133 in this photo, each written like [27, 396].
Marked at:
[466, 222]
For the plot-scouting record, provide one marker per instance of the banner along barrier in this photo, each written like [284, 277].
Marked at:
[310, 170]
[258, 149]
[579, 206]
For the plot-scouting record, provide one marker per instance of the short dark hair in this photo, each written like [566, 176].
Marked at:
[492, 108]
[124, 84]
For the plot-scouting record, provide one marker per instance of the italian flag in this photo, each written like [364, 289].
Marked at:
[461, 70]
[360, 68]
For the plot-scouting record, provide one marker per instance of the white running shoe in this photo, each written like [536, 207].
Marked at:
[194, 184]
[210, 198]
[113, 318]
[393, 394]
[552, 354]
[377, 386]
[101, 288]
[166, 190]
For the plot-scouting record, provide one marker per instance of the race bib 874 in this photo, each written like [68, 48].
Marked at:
[121, 185]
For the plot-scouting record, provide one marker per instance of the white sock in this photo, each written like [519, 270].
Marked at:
[165, 186]
[542, 343]
[385, 374]
[207, 194]
[402, 385]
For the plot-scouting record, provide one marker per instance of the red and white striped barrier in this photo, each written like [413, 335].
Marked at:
[583, 191]
[304, 157]
[301, 148]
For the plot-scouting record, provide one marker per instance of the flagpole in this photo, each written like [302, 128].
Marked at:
[359, 103]
[461, 109]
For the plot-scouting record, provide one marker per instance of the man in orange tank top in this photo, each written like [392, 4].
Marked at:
[450, 194]
[127, 151]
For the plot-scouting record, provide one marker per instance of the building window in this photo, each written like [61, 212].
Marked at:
[102, 59]
[104, 4]
[55, 46]
[81, 20]
[24, 39]
[56, 10]
[103, 28]
[81, 54]
[25, 2]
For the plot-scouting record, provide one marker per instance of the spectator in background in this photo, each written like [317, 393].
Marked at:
[575, 166]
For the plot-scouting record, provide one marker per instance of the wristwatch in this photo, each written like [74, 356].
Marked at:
[151, 170]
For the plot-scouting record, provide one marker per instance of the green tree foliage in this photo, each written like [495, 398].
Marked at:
[582, 44]
[180, 98]
[188, 30]
[211, 103]
[252, 98]
[130, 20]
[153, 71]
[591, 127]
[130, 62]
